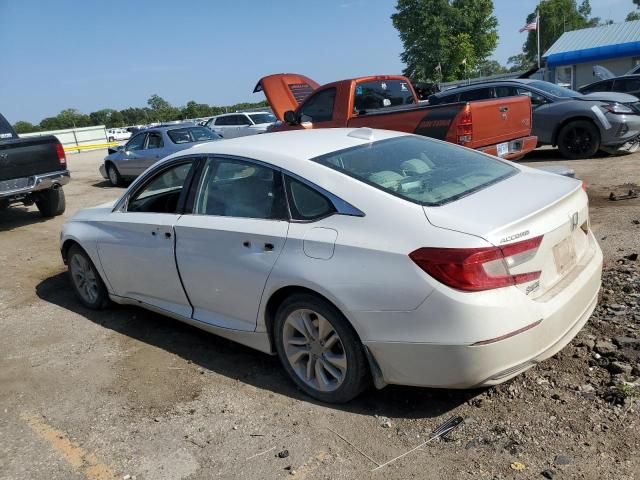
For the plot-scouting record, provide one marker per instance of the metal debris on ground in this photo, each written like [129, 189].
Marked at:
[442, 431]
[630, 194]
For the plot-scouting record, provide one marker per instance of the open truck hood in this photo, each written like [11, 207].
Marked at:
[285, 91]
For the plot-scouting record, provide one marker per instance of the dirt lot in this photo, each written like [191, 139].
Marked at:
[129, 394]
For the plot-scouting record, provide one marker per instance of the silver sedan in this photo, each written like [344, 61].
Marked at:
[147, 147]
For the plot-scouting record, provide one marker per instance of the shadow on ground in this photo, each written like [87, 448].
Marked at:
[552, 155]
[18, 216]
[242, 363]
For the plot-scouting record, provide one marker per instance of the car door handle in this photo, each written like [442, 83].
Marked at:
[268, 247]
[504, 109]
[167, 234]
[246, 244]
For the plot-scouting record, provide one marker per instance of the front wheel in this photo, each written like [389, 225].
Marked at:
[85, 279]
[114, 175]
[320, 350]
[51, 202]
[578, 140]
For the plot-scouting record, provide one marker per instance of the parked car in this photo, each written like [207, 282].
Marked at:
[578, 124]
[354, 254]
[148, 146]
[118, 134]
[231, 125]
[32, 170]
[500, 127]
[625, 84]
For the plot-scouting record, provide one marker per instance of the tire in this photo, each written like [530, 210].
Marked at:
[114, 175]
[578, 140]
[303, 353]
[111, 139]
[51, 202]
[85, 279]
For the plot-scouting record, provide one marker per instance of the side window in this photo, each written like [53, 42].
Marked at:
[155, 141]
[136, 143]
[244, 120]
[221, 121]
[305, 203]
[627, 85]
[319, 107]
[535, 98]
[479, 94]
[505, 91]
[162, 192]
[235, 188]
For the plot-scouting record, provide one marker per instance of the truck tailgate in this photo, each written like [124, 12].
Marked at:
[24, 157]
[499, 120]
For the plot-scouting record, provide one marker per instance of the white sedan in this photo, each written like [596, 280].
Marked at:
[357, 256]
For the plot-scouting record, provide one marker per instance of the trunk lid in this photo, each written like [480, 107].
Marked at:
[529, 204]
[24, 157]
[285, 91]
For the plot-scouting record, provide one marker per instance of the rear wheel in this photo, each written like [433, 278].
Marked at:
[320, 350]
[114, 175]
[579, 139]
[51, 202]
[85, 279]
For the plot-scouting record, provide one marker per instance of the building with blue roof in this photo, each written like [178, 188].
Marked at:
[571, 58]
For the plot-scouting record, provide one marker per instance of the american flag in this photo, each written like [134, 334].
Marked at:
[530, 26]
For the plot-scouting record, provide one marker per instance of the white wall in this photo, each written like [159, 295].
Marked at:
[583, 72]
[74, 137]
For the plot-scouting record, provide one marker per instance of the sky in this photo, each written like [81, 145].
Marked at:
[90, 54]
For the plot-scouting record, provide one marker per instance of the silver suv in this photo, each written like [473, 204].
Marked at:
[231, 125]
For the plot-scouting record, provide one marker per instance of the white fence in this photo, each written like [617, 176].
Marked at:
[77, 139]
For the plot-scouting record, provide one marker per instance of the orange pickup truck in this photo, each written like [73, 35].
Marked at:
[499, 127]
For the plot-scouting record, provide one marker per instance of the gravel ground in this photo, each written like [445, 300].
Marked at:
[126, 394]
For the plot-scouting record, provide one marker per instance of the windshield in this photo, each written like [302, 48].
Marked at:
[259, 118]
[555, 90]
[191, 134]
[422, 171]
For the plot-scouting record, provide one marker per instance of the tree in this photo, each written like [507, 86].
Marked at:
[445, 33]
[631, 16]
[556, 17]
[161, 110]
[490, 67]
[25, 127]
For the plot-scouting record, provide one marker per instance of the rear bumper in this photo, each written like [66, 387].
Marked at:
[20, 187]
[557, 320]
[517, 147]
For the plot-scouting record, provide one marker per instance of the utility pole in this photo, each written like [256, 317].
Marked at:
[538, 34]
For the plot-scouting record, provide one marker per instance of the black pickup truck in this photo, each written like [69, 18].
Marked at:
[32, 170]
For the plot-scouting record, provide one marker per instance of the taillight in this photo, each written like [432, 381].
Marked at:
[465, 126]
[584, 185]
[62, 159]
[475, 269]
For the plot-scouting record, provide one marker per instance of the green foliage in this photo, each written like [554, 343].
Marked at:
[556, 17]
[631, 16]
[444, 32]
[490, 67]
[627, 390]
[25, 127]
[159, 110]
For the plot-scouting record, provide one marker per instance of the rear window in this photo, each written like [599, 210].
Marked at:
[191, 134]
[419, 170]
[382, 94]
[259, 118]
[5, 129]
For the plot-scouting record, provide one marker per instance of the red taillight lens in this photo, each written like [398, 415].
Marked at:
[465, 126]
[584, 185]
[475, 269]
[62, 159]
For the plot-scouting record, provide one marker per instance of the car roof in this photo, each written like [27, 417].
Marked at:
[240, 113]
[165, 128]
[288, 150]
[493, 83]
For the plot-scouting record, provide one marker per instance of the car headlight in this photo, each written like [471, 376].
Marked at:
[617, 108]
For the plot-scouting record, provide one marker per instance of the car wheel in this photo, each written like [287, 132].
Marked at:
[320, 350]
[111, 139]
[114, 176]
[85, 279]
[579, 139]
[51, 202]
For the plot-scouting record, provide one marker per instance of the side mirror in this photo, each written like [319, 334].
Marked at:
[290, 117]
[120, 148]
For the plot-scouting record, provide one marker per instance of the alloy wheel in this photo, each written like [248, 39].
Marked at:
[579, 140]
[84, 278]
[314, 350]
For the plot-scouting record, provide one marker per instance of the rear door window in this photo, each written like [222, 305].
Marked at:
[137, 142]
[505, 91]
[155, 141]
[479, 94]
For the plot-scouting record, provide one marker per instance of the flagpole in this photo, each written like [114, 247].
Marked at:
[538, 34]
